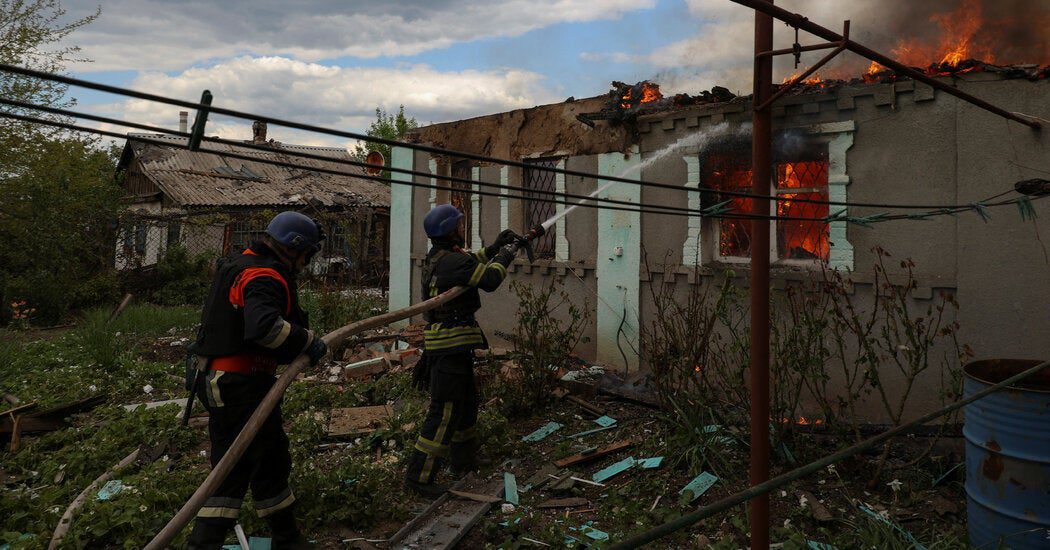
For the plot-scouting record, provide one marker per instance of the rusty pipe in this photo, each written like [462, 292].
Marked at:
[761, 170]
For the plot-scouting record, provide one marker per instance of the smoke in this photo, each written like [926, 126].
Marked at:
[720, 53]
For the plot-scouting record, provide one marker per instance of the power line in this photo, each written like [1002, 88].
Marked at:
[641, 208]
[431, 149]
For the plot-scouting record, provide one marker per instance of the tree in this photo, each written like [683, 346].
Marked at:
[386, 126]
[58, 200]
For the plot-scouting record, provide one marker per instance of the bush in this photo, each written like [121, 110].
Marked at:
[542, 344]
[181, 279]
[330, 308]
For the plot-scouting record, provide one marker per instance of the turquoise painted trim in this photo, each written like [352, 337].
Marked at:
[400, 292]
[618, 267]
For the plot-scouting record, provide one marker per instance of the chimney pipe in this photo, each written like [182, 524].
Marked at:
[184, 118]
[259, 132]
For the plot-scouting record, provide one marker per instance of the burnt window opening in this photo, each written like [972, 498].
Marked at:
[460, 195]
[800, 171]
[540, 184]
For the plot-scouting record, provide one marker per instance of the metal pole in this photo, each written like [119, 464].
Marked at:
[800, 22]
[761, 165]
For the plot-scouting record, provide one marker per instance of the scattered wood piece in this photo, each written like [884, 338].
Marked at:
[16, 434]
[564, 482]
[357, 420]
[120, 307]
[573, 502]
[12, 399]
[154, 404]
[510, 488]
[614, 469]
[586, 405]
[540, 478]
[19, 409]
[534, 541]
[542, 432]
[655, 502]
[816, 509]
[587, 481]
[445, 522]
[473, 496]
[699, 485]
[67, 517]
[586, 457]
[51, 419]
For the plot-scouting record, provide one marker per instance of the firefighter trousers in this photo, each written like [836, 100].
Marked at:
[448, 429]
[230, 399]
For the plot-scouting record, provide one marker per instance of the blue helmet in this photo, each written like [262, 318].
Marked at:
[296, 231]
[441, 220]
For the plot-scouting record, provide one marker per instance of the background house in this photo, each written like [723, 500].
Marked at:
[890, 141]
[212, 205]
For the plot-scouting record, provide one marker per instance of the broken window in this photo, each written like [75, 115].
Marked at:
[803, 175]
[459, 196]
[540, 184]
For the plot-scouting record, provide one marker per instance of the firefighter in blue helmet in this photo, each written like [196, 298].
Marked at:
[252, 323]
[450, 337]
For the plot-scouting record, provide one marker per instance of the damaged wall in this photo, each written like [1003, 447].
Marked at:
[908, 144]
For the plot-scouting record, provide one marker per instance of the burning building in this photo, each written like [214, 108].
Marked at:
[874, 138]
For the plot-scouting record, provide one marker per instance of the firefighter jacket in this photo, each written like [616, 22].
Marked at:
[452, 328]
[253, 309]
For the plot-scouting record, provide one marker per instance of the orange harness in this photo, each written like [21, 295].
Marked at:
[248, 362]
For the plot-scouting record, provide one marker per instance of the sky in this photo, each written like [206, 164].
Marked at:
[333, 62]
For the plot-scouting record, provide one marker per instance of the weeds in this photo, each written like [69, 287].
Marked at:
[330, 308]
[549, 327]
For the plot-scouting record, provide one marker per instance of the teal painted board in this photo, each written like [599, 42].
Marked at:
[588, 432]
[699, 485]
[618, 262]
[595, 534]
[111, 489]
[613, 470]
[605, 421]
[712, 428]
[649, 463]
[814, 545]
[542, 432]
[400, 275]
[510, 488]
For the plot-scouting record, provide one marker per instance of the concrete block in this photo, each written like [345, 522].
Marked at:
[644, 127]
[667, 124]
[924, 92]
[884, 95]
[692, 122]
[716, 118]
[846, 102]
[811, 108]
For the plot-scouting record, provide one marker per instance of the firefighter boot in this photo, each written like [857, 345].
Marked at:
[464, 459]
[284, 531]
[209, 533]
[419, 475]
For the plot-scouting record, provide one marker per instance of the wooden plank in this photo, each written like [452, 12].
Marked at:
[19, 409]
[586, 405]
[473, 496]
[442, 527]
[357, 420]
[573, 502]
[586, 457]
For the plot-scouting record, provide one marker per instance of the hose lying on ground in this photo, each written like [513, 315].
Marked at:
[333, 339]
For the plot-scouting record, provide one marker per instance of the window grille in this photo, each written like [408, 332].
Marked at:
[459, 195]
[540, 184]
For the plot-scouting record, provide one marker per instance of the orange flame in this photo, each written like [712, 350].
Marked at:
[958, 42]
[649, 92]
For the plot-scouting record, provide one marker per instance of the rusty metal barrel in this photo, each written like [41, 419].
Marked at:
[1008, 457]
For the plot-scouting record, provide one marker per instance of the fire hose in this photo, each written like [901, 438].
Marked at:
[266, 406]
[333, 340]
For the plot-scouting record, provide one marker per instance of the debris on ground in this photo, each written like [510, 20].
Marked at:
[355, 421]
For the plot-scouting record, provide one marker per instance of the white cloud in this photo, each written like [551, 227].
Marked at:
[333, 97]
[163, 35]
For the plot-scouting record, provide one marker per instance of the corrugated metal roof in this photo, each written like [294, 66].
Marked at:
[204, 178]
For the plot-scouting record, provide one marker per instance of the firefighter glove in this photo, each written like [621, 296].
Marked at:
[506, 237]
[316, 350]
[506, 254]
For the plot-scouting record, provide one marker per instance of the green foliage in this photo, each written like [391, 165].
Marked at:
[100, 342]
[181, 278]
[330, 308]
[56, 245]
[386, 126]
[549, 328]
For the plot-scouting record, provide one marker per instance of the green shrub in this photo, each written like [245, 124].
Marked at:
[330, 308]
[181, 279]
